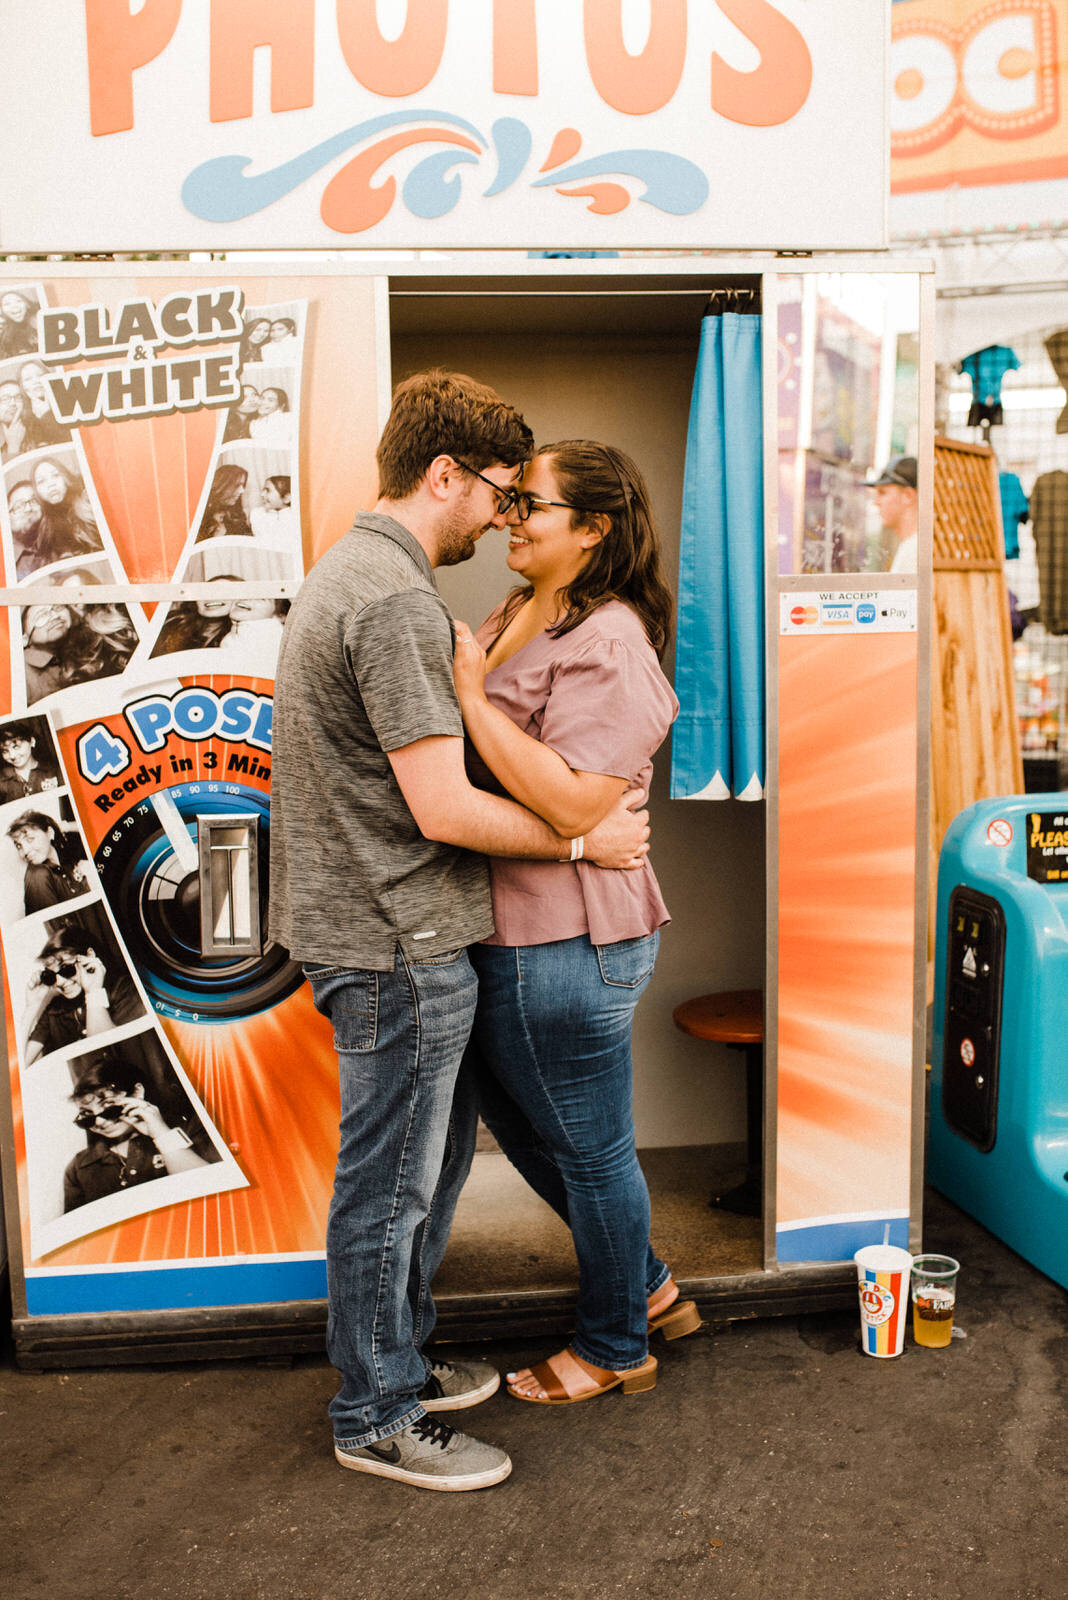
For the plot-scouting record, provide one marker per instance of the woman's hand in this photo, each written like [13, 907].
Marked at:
[468, 666]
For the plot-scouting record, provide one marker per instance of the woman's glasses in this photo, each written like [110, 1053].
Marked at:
[517, 500]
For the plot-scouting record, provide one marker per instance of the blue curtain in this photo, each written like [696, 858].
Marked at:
[718, 743]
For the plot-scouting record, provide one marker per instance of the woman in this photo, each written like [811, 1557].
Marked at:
[102, 645]
[565, 711]
[273, 425]
[283, 344]
[241, 415]
[255, 625]
[256, 334]
[18, 329]
[45, 429]
[274, 523]
[224, 513]
[195, 624]
[68, 527]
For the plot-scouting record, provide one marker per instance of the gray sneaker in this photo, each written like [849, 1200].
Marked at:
[430, 1455]
[452, 1385]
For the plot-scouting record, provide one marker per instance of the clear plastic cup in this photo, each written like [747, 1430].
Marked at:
[934, 1294]
[883, 1286]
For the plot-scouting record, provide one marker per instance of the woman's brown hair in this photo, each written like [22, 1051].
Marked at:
[602, 482]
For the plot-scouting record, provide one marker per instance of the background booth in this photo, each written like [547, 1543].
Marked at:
[725, 332]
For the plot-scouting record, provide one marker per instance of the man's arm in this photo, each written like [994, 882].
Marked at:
[447, 807]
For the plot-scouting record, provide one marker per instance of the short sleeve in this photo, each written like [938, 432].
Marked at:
[609, 708]
[400, 653]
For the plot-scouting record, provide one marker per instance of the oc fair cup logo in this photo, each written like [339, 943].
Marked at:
[878, 1303]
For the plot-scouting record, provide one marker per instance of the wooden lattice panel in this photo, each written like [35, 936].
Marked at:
[967, 517]
[975, 740]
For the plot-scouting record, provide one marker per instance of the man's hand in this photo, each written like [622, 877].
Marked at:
[621, 839]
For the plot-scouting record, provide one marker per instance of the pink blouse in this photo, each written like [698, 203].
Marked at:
[598, 698]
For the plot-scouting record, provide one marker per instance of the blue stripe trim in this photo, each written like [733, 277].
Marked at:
[837, 1241]
[175, 1288]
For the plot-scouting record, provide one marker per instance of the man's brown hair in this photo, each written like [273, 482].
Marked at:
[440, 413]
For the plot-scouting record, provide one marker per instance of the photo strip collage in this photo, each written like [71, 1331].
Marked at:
[113, 1126]
[54, 531]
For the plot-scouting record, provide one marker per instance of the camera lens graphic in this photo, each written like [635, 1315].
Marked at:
[156, 902]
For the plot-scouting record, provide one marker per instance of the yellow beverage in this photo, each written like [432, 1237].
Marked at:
[932, 1316]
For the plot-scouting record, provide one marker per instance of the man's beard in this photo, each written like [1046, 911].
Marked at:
[457, 539]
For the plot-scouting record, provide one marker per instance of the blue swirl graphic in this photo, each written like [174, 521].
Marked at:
[513, 143]
[219, 191]
[672, 183]
[428, 190]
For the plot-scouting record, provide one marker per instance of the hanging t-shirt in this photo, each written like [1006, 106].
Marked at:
[986, 368]
[1057, 350]
[1049, 519]
[1014, 510]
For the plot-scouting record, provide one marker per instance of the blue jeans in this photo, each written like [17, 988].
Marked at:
[407, 1137]
[550, 1053]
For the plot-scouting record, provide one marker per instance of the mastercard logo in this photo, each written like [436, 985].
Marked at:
[804, 616]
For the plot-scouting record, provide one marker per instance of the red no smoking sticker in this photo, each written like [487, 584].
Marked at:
[967, 1052]
[1000, 831]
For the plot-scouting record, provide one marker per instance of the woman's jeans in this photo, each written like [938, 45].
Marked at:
[551, 1055]
[407, 1137]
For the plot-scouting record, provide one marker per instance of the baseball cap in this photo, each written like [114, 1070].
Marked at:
[900, 470]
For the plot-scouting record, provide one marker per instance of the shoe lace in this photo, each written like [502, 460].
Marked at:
[433, 1431]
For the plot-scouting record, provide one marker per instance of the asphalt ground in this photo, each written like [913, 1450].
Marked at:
[773, 1459]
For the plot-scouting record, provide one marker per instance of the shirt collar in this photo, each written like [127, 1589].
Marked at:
[390, 528]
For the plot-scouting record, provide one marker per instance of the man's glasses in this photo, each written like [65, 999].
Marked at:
[517, 500]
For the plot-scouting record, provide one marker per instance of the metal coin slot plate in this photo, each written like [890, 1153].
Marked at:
[227, 847]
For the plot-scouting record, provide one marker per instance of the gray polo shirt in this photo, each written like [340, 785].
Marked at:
[365, 668]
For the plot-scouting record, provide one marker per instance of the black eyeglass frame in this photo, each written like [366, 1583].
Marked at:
[517, 500]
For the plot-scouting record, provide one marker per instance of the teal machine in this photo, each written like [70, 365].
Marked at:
[998, 1142]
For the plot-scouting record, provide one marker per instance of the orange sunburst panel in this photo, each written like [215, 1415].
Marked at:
[847, 884]
[269, 1084]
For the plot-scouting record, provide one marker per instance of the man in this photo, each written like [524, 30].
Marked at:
[55, 861]
[898, 505]
[27, 516]
[14, 432]
[129, 1141]
[73, 995]
[22, 770]
[44, 630]
[369, 754]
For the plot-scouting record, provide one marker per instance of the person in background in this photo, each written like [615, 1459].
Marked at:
[196, 624]
[73, 994]
[564, 713]
[18, 326]
[24, 770]
[68, 525]
[273, 425]
[128, 1139]
[369, 752]
[240, 416]
[14, 421]
[26, 515]
[45, 428]
[256, 334]
[283, 344]
[897, 502]
[224, 514]
[54, 858]
[274, 523]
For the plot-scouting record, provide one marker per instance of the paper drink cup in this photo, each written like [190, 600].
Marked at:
[883, 1272]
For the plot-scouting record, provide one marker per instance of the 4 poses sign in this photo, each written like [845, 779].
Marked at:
[502, 123]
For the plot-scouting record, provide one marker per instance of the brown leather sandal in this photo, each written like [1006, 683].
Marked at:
[674, 1318]
[565, 1379]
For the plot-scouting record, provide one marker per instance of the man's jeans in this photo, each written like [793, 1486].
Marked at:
[406, 1144]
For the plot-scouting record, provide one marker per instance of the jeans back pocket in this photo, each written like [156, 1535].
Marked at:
[628, 962]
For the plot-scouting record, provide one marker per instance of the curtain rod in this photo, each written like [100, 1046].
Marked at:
[544, 294]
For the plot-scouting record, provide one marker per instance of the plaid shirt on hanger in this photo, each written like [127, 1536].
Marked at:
[1049, 522]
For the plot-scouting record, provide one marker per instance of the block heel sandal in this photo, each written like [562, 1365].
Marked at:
[565, 1379]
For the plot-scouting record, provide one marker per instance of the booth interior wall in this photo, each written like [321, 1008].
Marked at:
[631, 389]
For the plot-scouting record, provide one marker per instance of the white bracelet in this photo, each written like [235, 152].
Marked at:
[577, 847]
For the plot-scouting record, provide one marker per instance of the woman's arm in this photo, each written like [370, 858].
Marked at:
[571, 802]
